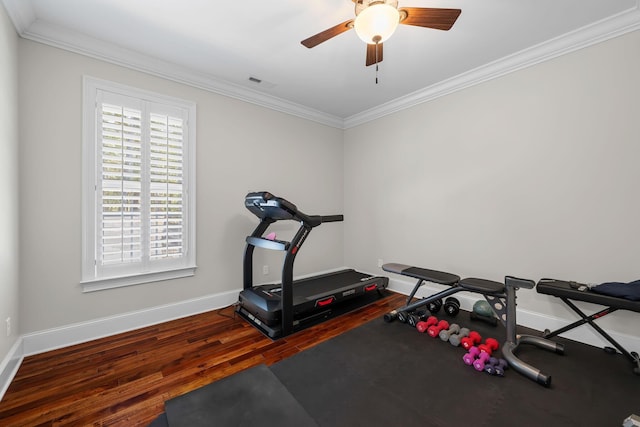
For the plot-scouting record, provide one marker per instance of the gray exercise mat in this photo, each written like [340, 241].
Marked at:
[254, 397]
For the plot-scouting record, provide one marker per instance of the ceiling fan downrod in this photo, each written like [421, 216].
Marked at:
[376, 40]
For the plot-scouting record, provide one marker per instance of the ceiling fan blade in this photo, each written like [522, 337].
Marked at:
[374, 53]
[327, 34]
[439, 19]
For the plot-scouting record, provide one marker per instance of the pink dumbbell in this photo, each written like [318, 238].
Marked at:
[481, 360]
[470, 356]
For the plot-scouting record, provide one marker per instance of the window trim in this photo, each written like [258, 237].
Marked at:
[89, 280]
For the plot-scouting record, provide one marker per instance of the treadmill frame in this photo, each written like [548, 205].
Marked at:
[271, 209]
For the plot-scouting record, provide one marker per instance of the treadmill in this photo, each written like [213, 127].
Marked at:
[281, 309]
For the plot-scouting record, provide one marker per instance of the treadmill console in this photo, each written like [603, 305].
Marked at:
[265, 205]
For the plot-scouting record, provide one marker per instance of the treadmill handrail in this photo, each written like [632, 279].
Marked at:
[278, 245]
[332, 218]
[265, 205]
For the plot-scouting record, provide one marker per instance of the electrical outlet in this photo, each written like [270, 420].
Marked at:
[380, 262]
[8, 321]
[265, 269]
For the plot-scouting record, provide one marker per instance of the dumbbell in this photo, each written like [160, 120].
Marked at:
[412, 318]
[390, 317]
[434, 306]
[403, 316]
[425, 324]
[453, 329]
[455, 338]
[481, 360]
[496, 366]
[416, 317]
[470, 340]
[471, 355]
[451, 306]
[489, 346]
[434, 330]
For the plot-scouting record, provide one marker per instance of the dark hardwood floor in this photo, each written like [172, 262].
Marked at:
[124, 380]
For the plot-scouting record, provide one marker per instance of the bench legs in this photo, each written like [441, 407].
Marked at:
[631, 356]
[513, 340]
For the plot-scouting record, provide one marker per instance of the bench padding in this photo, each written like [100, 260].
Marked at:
[483, 286]
[434, 276]
[563, 289]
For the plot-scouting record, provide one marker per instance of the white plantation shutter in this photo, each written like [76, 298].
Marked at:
[143, 218]
[121, 185]
[166, 211]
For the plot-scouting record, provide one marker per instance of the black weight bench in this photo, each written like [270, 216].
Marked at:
[501, 297]
[568, 291]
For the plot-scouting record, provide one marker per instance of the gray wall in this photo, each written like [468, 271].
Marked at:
[240, 147]
[8, 183]
[534, 174]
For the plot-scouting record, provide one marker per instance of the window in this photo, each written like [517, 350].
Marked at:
[139, 186]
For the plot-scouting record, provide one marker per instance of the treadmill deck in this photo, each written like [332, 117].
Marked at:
[313, 297]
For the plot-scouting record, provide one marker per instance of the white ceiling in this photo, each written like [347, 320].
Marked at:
[218, 45]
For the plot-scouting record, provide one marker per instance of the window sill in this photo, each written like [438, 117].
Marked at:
[119, 282]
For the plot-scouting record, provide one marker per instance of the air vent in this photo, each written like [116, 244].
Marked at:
[263, 83]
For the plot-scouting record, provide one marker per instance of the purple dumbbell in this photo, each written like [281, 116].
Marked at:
[496, 366]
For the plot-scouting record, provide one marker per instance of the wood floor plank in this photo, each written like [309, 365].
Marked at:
[124, 380]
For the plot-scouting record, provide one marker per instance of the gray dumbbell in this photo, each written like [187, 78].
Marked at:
[455, 338]
[453, 329]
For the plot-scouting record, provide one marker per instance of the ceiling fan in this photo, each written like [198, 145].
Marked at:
[376, 20]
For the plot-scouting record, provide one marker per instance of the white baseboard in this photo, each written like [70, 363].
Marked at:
[526, 318]
[9, 366]
[51, 339]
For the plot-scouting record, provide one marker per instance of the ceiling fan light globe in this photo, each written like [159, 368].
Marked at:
[376, 23]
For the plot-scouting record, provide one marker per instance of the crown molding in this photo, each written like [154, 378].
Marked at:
[71, 41]
[21, 14]
[23, 17]
[617, 25]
